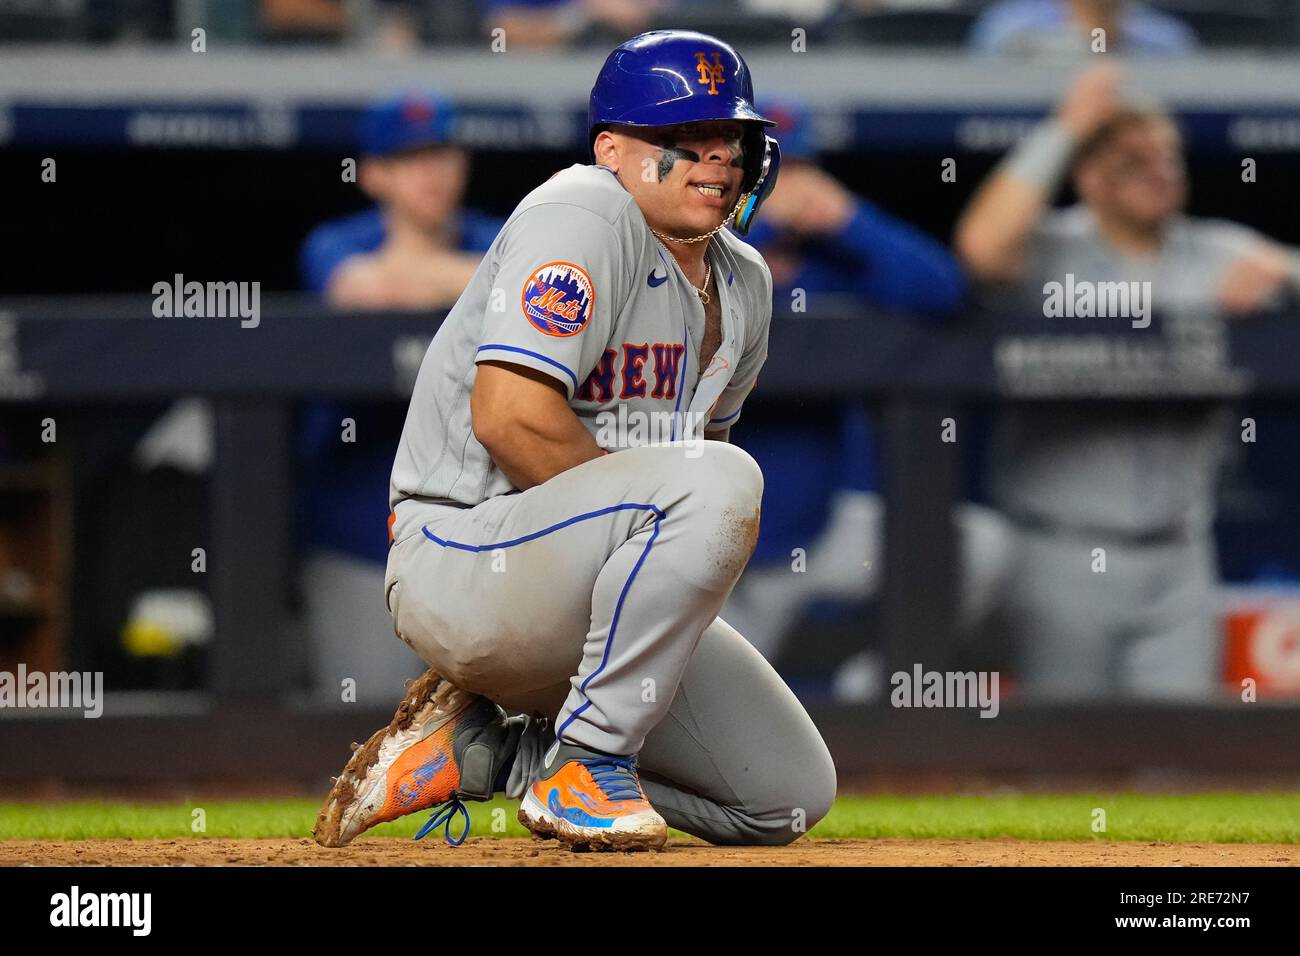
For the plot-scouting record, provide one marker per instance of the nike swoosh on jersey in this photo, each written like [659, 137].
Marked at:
[655, 281]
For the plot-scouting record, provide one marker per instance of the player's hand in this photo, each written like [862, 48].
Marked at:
[1252, 281]
[809, 201]
[1093, 98]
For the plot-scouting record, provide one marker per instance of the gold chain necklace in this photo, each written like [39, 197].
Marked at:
[708, 235]
[703, 291]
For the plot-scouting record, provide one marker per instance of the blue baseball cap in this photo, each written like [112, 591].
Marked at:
[794, 127]
[406, 121]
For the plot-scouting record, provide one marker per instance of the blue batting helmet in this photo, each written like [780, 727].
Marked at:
[666, 77]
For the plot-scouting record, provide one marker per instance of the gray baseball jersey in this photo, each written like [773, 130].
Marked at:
[592, 598]
[1122, 470]
[577, 287]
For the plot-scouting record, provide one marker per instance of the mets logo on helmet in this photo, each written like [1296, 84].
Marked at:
[558, 298]
[711, 74]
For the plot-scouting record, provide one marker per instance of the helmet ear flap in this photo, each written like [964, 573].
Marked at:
[754, 143]
[769, 167]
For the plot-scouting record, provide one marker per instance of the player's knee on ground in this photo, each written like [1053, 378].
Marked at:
[797, 804]
[776, 808]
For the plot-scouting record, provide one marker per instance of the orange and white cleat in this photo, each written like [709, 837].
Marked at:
[443, 744]
[589, 800]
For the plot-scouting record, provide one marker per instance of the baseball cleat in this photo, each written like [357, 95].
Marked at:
[415, 763]
[589, 800]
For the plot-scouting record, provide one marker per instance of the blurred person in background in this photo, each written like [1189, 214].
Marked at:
[1065, 27]
[880, 6]
[820, 238]
[301, 21]
[415, 250]
[1138, 481]
[401, 26]
[417, 247]
[806, 12]
[554, 23]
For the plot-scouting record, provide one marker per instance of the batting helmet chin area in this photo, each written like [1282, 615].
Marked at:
[666, 77]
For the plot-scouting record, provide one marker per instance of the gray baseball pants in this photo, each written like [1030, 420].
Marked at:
[592, 600]
[1145, 627]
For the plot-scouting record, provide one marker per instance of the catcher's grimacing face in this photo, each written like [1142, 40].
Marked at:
[685, 178]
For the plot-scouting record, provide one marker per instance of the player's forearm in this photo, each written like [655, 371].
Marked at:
[522, 417]
[531, 452]
[992, 234]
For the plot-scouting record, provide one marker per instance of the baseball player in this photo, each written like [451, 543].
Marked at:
[1138, 482]
[568, 517]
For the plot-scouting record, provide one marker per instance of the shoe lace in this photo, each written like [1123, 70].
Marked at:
[616, 777]
[445, 813]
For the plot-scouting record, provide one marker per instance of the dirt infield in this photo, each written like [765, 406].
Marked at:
[512, 852]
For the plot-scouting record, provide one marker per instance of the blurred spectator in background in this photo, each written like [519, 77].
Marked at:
[819, 239]
[552, 23]
[302, 21]
[805, 12]
[1138, 482]
[875, 6]
[417, 249]
[402, 25]
[1065, 27]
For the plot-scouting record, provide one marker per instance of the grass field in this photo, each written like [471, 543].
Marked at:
[1201, 818]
